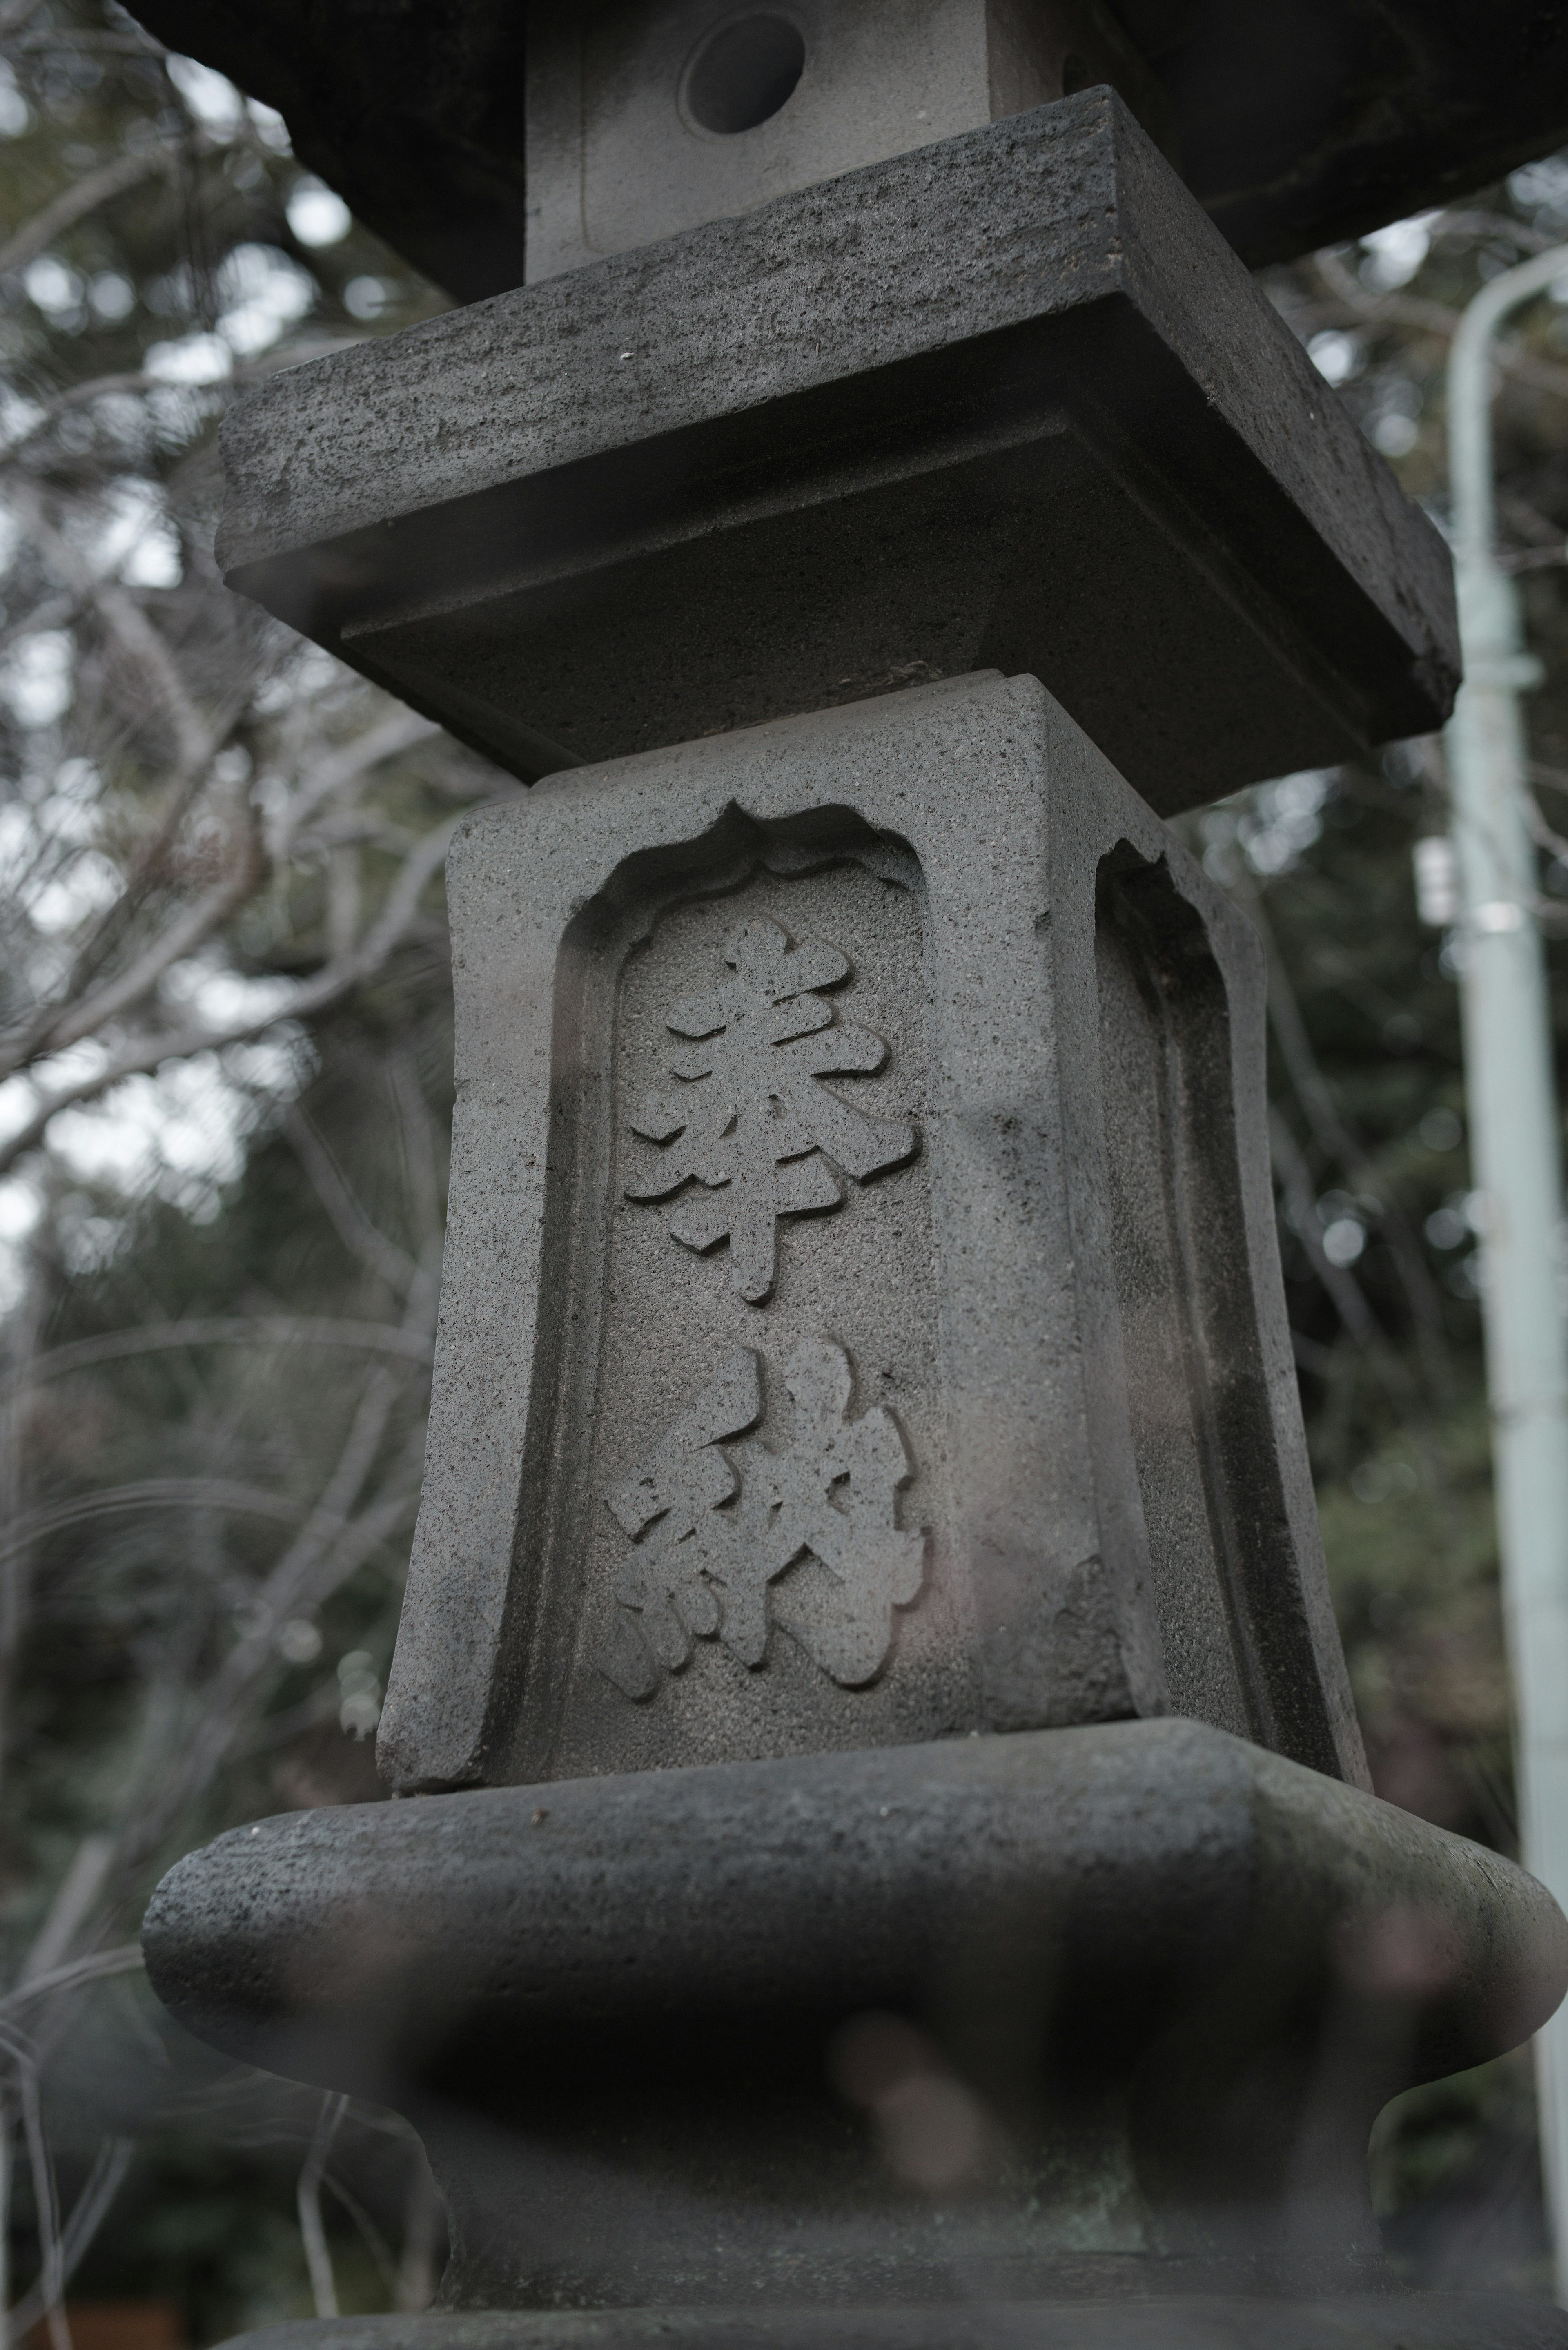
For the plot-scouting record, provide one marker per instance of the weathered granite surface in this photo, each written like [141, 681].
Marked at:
[861, 1316]
[648, 117]
[1088, 2014]
[1385, 2321]
[1008, 401]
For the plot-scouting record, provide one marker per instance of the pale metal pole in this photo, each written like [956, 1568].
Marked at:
[1515, 1154]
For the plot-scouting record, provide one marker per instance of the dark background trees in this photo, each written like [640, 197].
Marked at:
[225, 1062]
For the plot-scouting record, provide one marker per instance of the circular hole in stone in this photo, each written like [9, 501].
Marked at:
[745, 73]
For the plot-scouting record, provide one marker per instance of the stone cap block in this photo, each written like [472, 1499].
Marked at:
[1006, 401]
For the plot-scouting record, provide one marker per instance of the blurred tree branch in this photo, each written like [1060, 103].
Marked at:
[1350, 299]
[214, 844]
[74, 204]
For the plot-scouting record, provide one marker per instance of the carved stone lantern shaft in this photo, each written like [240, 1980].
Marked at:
[886, 1830]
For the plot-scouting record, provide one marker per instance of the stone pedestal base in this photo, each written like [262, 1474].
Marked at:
[1012, 2039]
[1393, 2321]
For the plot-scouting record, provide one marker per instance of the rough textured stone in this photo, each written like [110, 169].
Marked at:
[1072, 2013]
[647, 117]
[1389, 2322]
[1297, 124]
[861, 1317]
[1008, 401]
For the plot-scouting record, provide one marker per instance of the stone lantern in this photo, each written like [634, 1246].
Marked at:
[886, 1854]
[643, 120]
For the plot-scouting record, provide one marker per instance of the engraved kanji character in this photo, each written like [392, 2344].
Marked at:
[750, 1123]
[706, 1569]
[684, 1484]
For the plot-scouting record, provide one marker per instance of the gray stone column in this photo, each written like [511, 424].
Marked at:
[862, 1114]
[885, 1854]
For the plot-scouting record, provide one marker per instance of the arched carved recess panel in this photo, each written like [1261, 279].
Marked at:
[742, 1060]
[1222, 1551]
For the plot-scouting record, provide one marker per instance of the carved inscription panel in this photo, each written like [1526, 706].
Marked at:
[803, 1376]
[750, 1121]
[757, 1561]
[830, 1500]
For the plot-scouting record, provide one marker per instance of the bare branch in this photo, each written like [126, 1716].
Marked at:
[16, 1455]
[278, 1730]
[51, 615]
[147, 1493]
[396, 733]
[125, 1961]
[50, 2286]
[1400, 310]
[375, 2244]
[1336, 1139]
[149, 1053]
[313, 2234]
[87, 2216]
[1349, 1297]
[1479, 223]
[1541, 832]
[74, 1897]
[74, 202]
[195, 738]
[402, 904]
[417, 1137]
[79, 395]
[384, 1258]
[188, 930]
[1534, 558]
[230, 1330]
[329, 1548]
[423, 2228]
[82, 395]
[15, 17]
[303, 1579]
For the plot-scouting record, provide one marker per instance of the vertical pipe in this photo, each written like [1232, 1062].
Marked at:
[1515, 1152]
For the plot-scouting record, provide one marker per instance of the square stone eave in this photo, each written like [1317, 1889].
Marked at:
[1006, 401]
